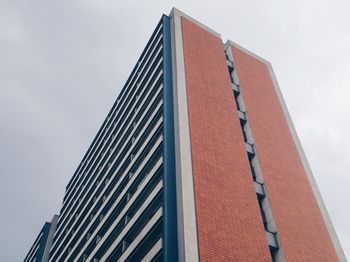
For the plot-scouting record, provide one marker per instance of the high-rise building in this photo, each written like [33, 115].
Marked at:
[198, 160]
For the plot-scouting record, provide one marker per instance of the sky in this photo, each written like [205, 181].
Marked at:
[63, 63]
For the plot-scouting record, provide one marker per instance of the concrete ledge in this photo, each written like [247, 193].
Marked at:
[231, 43]
[176, 12]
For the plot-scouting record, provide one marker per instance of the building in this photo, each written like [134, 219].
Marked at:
[197, 160]
[40, 249]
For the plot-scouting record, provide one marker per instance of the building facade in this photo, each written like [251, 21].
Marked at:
[198, 160]
[40, 249]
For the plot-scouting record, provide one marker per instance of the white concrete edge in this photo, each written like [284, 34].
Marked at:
[188, 248]
[176, 12]
[231, 43]
[308, 170]
[153, 251]
[50, 238]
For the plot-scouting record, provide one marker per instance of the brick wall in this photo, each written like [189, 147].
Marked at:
[299, 221]
[229, 221]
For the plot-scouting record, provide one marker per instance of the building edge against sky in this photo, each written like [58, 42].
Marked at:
[217, 169]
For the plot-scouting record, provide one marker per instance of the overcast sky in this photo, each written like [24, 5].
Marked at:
[62, 64]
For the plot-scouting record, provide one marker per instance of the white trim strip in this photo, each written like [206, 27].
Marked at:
[32, 256]
[153, 251]
[144, 231]
[188, 248]
[140, 236]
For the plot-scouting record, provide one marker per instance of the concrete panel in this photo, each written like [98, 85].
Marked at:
[186, 209]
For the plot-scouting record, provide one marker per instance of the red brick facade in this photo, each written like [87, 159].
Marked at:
[303, 233]
[230, 227]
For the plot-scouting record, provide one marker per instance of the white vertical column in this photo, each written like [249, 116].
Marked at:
[186, 209]
[50, 238]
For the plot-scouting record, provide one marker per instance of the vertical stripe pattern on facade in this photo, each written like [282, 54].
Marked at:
[113, 208]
